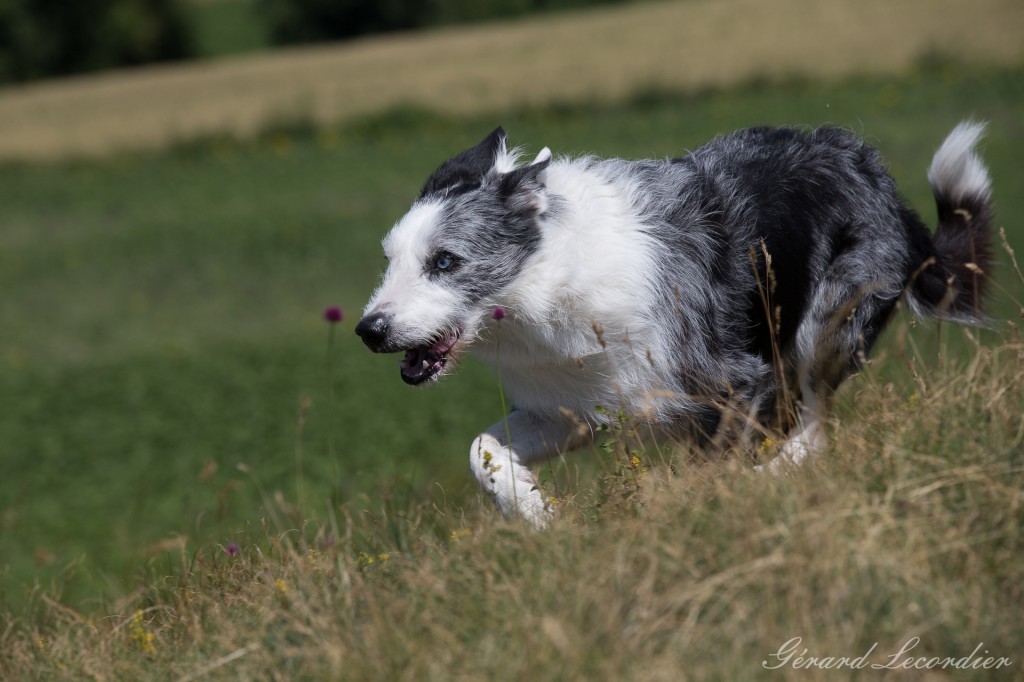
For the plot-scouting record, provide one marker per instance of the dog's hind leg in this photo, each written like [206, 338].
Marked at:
[808, 437]
[500, 458]
[831, 342]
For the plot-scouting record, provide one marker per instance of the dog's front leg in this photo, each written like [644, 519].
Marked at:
[501, 455]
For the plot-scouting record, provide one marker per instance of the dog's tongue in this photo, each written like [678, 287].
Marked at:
[444, 345]
[422, 362]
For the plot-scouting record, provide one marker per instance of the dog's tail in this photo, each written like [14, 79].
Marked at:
[952, 281]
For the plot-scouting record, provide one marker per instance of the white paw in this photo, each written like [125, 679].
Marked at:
[776, 467]
[534, 510]
[511, 485]
[797, 450]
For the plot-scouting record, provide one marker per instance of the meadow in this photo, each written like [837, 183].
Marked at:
[164, 398]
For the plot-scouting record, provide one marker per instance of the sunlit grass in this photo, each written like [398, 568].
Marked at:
[910, 526]
[166, 323]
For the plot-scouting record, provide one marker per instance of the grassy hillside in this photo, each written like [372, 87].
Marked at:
[167, 327]
[578, 57]
[902, 547]
[164, 394]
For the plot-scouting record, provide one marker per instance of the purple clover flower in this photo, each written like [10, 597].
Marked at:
[334, 315]
[232, 549]
[498, 313]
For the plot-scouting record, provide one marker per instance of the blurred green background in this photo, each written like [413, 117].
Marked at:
[161, 322]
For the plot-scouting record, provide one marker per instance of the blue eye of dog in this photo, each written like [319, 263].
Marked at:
[444, 261]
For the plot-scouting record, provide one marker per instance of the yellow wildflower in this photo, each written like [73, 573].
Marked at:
[139, 635]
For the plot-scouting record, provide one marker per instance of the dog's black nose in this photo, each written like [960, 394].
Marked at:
[373, 330]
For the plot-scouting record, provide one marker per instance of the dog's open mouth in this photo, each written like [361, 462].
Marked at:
[427, 360]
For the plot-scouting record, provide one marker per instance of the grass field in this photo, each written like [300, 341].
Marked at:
[900, 549]
[167, 323]
[163, 394]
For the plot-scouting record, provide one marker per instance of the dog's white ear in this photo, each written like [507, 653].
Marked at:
[543, 157]
[523, 189]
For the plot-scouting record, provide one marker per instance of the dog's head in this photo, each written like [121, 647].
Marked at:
[450, 257]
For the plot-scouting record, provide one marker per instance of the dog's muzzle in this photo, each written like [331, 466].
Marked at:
[374, 329]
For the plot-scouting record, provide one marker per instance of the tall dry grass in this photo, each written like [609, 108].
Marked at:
[901, 548]
[658, 568]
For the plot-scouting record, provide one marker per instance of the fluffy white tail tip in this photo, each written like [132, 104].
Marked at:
[956, 170]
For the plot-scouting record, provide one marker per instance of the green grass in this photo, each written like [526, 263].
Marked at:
[909, 528]
[165, 324]
[227, 27]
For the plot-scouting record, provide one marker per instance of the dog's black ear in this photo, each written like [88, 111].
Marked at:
[523, 189]
[467, 167]
[481, 158]
[490, 148]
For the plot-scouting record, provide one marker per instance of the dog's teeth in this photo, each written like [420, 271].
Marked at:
[425, 364]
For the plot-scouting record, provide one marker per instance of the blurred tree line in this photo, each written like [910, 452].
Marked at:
[53, 37]
[40, 38]
[299, 21]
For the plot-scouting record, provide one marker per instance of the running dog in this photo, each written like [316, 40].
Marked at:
[707, 295]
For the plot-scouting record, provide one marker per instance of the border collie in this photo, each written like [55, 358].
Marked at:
[724, 292]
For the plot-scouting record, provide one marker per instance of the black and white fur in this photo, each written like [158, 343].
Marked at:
[711, 294]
